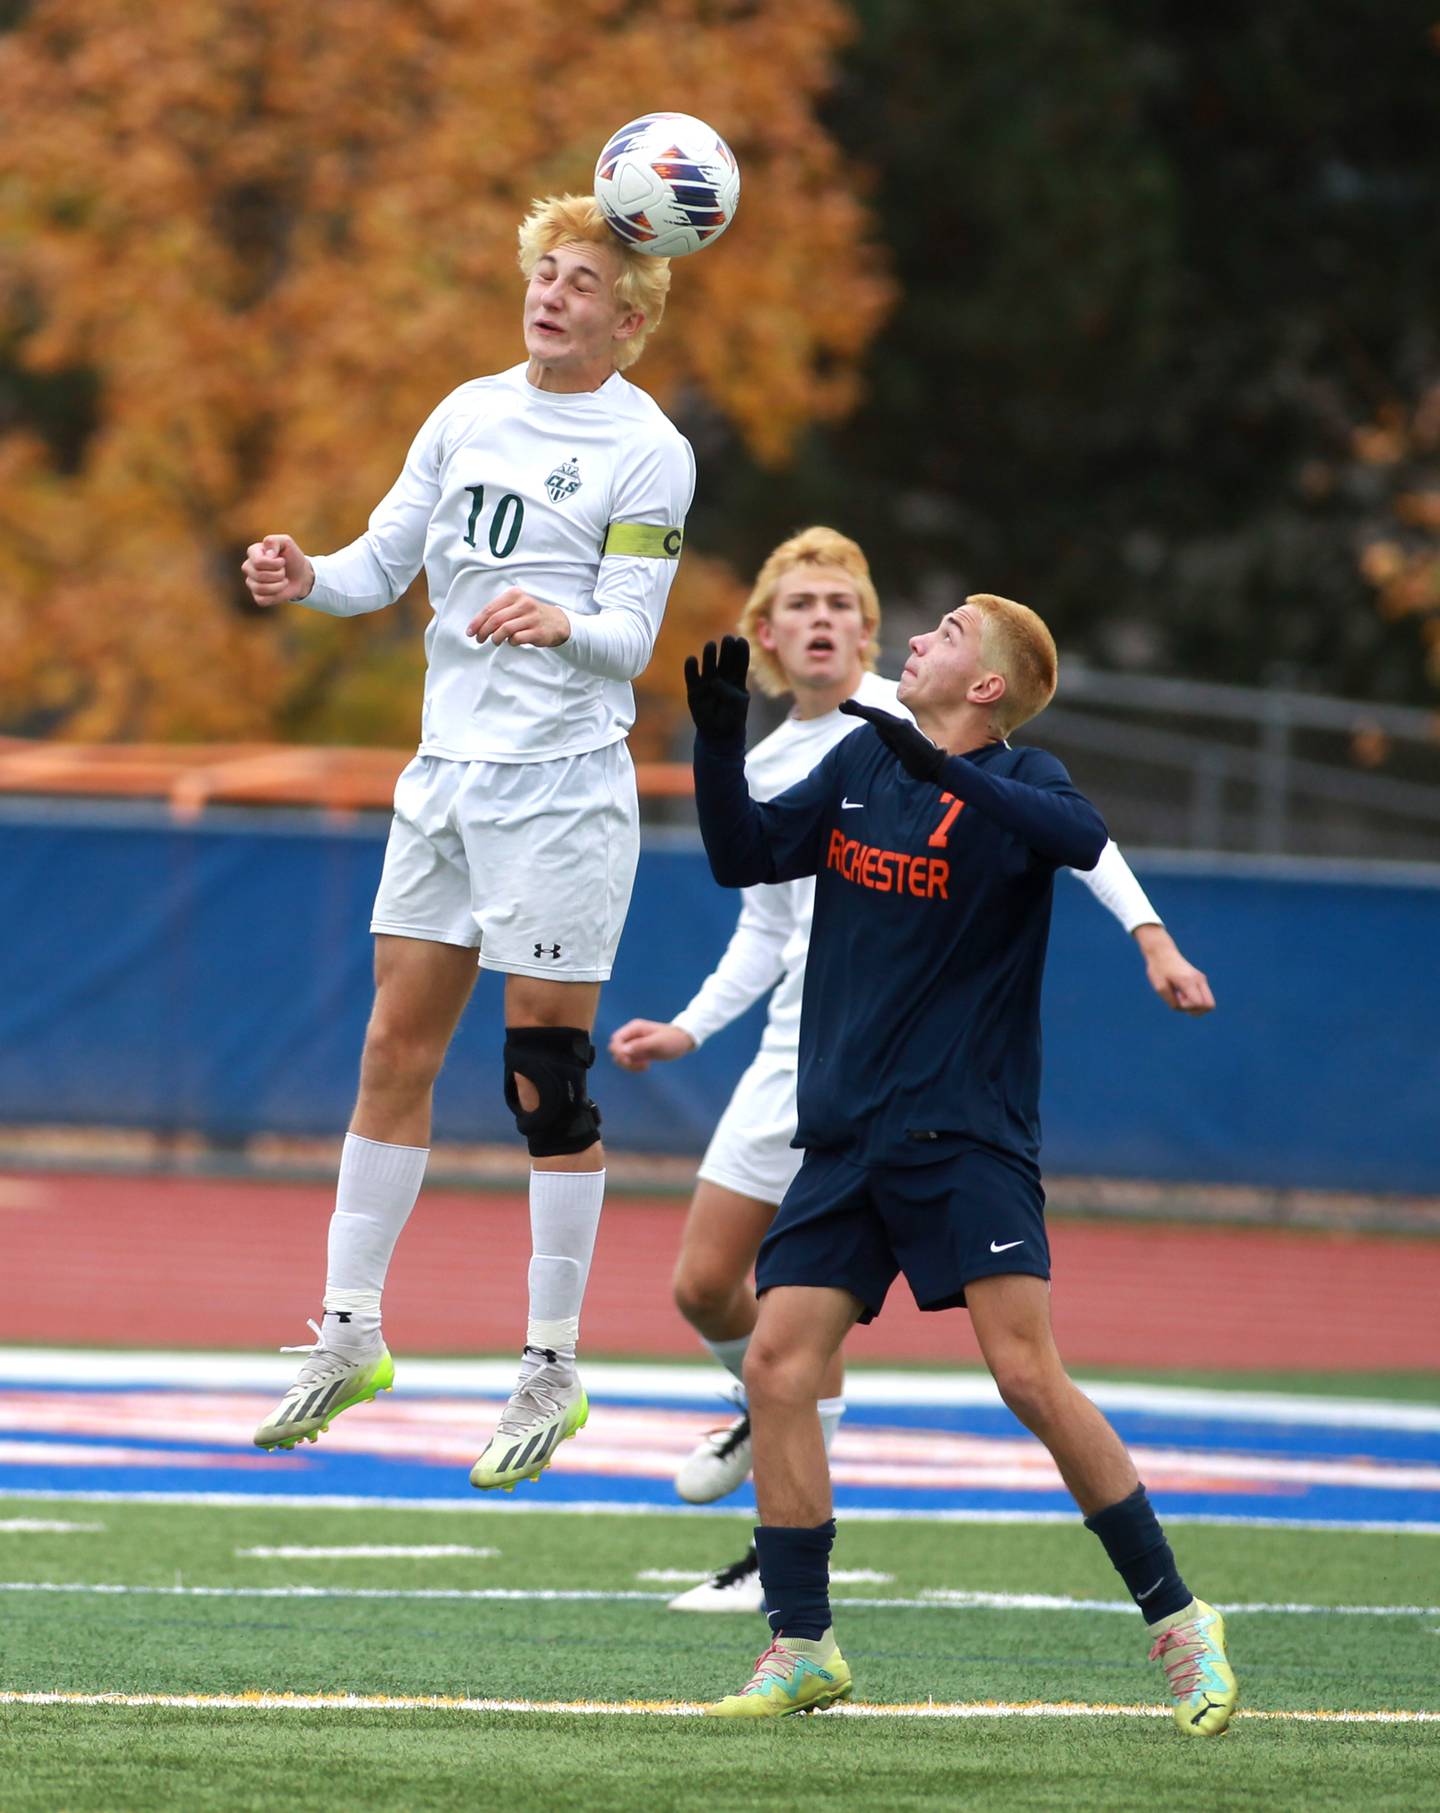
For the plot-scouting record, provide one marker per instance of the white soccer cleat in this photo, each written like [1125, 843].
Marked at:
[717, 1465]
[545, 1409]
[327, 1384]
[734, 1589]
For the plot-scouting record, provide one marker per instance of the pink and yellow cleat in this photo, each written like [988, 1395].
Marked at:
[794, 1675]
[1190, 1646]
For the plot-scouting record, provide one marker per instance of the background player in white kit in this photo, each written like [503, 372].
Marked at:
[812, 621]
[547, 506]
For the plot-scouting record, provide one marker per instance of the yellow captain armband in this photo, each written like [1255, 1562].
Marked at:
[651, 541]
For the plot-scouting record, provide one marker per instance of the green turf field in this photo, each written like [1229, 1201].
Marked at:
[429, 1635]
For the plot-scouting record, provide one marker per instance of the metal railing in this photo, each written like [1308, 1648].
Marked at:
[1271, 770]
[1178, 763]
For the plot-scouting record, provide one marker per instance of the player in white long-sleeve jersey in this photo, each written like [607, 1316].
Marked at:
[547, 505]
[812, 621]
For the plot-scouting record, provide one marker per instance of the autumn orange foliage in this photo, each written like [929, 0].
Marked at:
[268, 238]
[1402, 559]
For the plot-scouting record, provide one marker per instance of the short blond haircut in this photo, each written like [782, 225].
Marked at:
[643, 283]
[816, 547]
[1016, 643]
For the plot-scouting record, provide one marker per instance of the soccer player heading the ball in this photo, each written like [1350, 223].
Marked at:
[934, 847]
[546, 504]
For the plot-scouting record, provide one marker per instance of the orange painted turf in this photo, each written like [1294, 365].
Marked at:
[198, 1263]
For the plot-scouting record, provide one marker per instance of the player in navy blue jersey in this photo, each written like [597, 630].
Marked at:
[934, 847]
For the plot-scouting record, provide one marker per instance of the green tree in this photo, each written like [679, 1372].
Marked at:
[1160, 267]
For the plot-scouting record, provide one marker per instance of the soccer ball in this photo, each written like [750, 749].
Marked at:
[668, 184]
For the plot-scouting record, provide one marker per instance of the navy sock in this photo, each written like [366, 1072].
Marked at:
[795, 1573]
[1141, 1556]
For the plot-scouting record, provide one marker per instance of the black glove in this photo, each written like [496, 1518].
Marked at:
[917, 755]
[715, 689]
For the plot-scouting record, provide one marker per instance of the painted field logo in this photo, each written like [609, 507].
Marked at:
[563, 482]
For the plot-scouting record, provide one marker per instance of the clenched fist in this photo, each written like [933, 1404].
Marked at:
[276, 571]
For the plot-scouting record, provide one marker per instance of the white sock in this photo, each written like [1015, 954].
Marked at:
[374, 1195]
[564, 1217]
[730, 1354]
[831, 1410]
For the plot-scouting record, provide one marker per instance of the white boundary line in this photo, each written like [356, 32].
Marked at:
[42, 1526]
[939, 1600]
[370, 1551]
[619, 1507]
[979, 1709]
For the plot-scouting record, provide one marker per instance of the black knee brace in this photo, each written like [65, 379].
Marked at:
[554, 1059]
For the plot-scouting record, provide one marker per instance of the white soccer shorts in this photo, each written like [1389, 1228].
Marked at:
[530, 863]
[750, 1150]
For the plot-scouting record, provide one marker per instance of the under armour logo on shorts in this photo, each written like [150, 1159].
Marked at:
[540, 950]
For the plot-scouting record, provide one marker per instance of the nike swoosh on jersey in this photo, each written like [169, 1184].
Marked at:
[1007, 1246]
[852, 805]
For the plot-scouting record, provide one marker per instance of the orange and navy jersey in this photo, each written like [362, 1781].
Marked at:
[921, 1017]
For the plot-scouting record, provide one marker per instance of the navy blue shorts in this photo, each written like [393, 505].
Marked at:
[978, 1213]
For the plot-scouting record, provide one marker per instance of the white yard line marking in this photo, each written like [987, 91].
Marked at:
[978, 1709]
[841, 1576]
[468, 1593]
[368, 1551]
[472, 1505]
[940, 1599]
[672, 1576]
[95, 1455]
[37, 1526]
[681, 1383]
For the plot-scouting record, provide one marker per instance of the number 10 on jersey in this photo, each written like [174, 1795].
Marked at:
[505, 521]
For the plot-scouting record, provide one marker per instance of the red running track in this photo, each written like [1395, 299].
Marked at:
[197, 1263]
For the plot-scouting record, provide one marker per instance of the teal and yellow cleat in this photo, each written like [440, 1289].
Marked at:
[793, 1675]
[546, 1408]
[328, 1384]
[1190, 1646]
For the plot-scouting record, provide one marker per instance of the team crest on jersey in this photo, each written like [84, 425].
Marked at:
[563, 482]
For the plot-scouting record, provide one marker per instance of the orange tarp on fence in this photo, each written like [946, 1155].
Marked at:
[191, 776]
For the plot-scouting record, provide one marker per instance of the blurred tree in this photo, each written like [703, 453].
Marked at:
[244, 249]
[1161, 266]
[1399, 453]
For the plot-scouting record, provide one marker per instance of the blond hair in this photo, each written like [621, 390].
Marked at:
[815, 547]
[1016, 643]
[643, 283]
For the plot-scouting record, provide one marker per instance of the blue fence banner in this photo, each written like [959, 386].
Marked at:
[214, 978]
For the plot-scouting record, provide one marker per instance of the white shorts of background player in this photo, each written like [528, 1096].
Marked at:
[750, 1151]
[530, 863]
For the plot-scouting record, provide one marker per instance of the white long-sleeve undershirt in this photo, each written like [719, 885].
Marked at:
[754, 961]
[1112, 882]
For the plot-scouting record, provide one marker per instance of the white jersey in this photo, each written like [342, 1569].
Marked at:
[773, 934]
[772, 937]
[581, 500]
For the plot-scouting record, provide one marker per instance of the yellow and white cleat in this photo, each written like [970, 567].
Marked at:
[1190, 1646]
[794, 1675]
[327, 1384]
[545, 1409]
